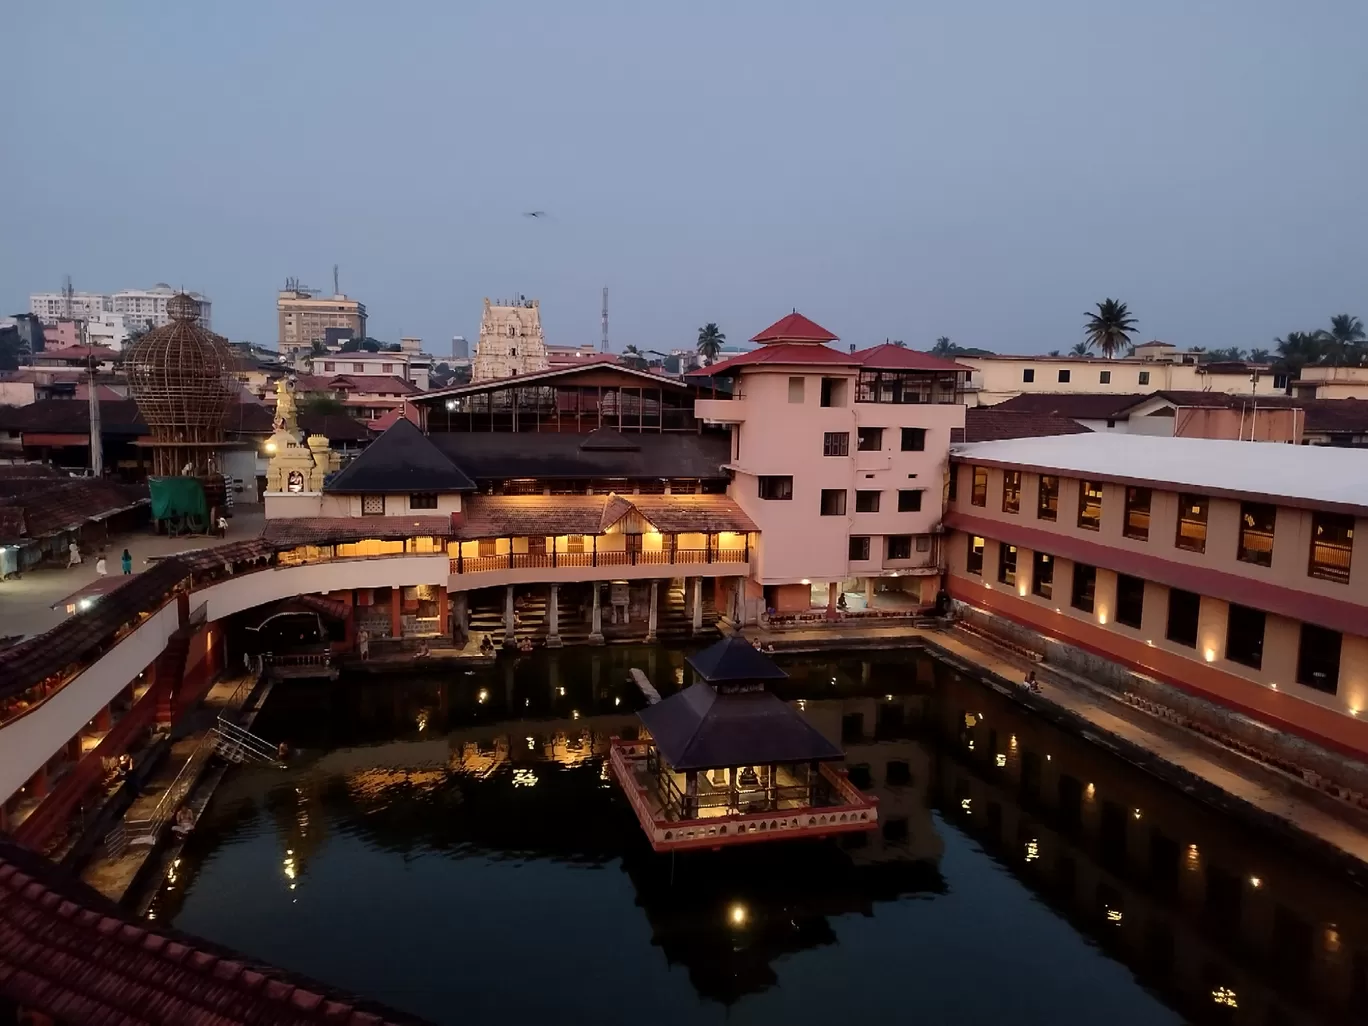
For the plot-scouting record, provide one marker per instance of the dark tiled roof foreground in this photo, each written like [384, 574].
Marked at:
[993, 424]
[41, 507]
[340, 530]
[71, 954]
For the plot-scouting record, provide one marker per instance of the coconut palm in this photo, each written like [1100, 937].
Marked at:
[943, 347]
[632, 357]
[1259, 355]
[900, 343]
[710, 340]
[1109, 329]
[1082, 348]
[1344, 341]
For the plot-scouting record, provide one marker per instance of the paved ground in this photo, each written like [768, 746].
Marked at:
[1172, 744]
[24, 603]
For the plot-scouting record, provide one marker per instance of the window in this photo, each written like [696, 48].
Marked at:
[1042, 574]
[866, 502]
[1192, 523]
[1318, 658]
[1064, 377]
[796, 390]
[1011, 491]
[859, 546]
[914, 439]
[899, 546]
[1089, 505]
[1130, 600]
[833, 392]
[973, 561]
[1245, 636]
[1104, 378]
[1084, 587]
[1028, 374]
[869, 439]
[909, 500]
[979, 496]
[574, 543]
[372, 505]
[923, 543]
[1280, 382]
[357, 368]
[1332, 542]
[836, 443]
[387, 368]
[1047, 498]
[1256, 533]
[833, 502]
[423, 500]
[329, 366]
[776, 487]
[1183, 611]
[488, 546]
[1137, 514]
[1144, 377]
[953, 474]
[1007, 560]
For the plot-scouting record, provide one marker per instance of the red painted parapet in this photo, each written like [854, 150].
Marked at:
[860, 812]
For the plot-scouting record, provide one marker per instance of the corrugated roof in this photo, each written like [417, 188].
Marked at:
[794, 327]
[402, 459]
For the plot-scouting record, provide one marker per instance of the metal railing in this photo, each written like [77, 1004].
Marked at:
[237, 744]
[1330, 562]
[616, 557]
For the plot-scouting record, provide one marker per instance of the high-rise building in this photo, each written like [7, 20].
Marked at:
[511, 340]
[139, 308]
[305, 318]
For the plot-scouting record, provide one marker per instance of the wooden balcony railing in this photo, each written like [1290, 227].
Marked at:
[554, 560]
[1330, 562]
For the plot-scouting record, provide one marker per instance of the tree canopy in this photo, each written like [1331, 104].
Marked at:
[710, 340]
[1109, 328]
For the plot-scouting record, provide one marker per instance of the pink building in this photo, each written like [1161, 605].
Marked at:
[840, 460]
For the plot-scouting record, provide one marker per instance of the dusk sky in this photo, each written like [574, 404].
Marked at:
[892, 168]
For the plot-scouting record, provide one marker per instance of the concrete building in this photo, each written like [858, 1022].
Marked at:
[50, 307]
[409, 367]
[138, 307]
[1156, 366]
[840, 459]
[1229, 570]
[511, 340]
[304, 318]
[1331, 383]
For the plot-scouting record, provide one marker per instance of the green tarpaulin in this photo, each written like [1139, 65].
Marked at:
[177, 497]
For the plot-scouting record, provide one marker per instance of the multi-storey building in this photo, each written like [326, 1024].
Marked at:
[511, 340]
[1228, 569]
[304, 318]
[139, 308]
[840, 460]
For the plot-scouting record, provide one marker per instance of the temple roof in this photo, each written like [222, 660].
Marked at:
[698, 729]
[550, 455]
[69, 953]
[286, 531]
[733, 660]
[794, 328]
[403, 459]
[489, 516]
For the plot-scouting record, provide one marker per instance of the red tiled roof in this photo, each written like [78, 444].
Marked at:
[794, 328]
[77, 353]
[490, 516]
[894, 357]
[338, 530]
[1075, 405]
[788, 353]
[991, 424]
[68, 953]
[371, 384]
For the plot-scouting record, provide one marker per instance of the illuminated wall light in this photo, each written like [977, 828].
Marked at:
[1048, 758]
[1102, 618]
[1012, 742]
[1137, 813]
[1353, 710]
[1057, 609]
[737, 915]
[1113, 915]
[1021, 589]
[1001, 760]
[1332, 938]
[574, 714]
[967, 804]
[1255, 882]
[1091, 790]
[971, 744]
[1210, 655]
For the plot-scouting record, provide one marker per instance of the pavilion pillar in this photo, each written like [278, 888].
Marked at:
[813, 773]
[443, 611]
[596, 617]
[869, 593]
[510, 618]
[104, 719]
[696, 620]
[462, 616]
[553, 638]
[396, 612]
[833, 595]
[651, 612]
[690, 809]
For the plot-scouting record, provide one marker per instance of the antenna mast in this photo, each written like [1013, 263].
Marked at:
[603, 344]
[68, 297]
[336, 290]
[96, 432]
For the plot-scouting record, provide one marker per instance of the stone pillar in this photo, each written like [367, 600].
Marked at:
[596, 618]
[104, 719]
[833, 594]
[510, 619]
[462, 615]
[553, 638]
[396, 612]
[443, 611]
[696, 620]
[869, 593]
[651, 612]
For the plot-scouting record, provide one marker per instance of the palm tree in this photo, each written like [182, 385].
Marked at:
[710, 340]
[1109, 329]
[317, 347]
[1259, 355]
[900, 343]
[1082, 348]
[943, 347]
[1344, 341]
[1053, 352]
[632, 357]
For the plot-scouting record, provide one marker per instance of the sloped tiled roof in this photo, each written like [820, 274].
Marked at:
[336, 427]
[561, 455]
[69, 953]
[285, 532]
[494, 516]
[794, 327]
[991, 423]
[894, 357]
[377, 384]
[403, 459]
[50, 507]
[1074, 405]
[795, 354]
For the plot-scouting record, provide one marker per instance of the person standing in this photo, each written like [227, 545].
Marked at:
[73, 555]
[100, 567]
[223, 527]
[127, 560]
[363, 643]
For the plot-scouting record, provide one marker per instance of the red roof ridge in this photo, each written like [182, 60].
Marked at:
[794, 327]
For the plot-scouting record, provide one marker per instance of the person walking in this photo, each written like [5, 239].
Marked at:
[100, 566]
[73, 555]
[223, 527]
[127, 560]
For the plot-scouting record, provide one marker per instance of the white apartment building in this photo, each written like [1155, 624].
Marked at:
[135, 306]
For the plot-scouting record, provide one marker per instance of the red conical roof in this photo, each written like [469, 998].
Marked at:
[795, 328]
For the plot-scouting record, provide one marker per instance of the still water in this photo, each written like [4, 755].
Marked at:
[452, 846]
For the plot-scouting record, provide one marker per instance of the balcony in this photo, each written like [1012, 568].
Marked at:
[721, 411]
[718, 549]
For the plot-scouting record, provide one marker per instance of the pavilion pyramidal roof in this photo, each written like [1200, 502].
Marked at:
[794, 328]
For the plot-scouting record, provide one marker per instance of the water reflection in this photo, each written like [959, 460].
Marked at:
[473, 816]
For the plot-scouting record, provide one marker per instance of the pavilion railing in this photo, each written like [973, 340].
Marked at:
[668, 556]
